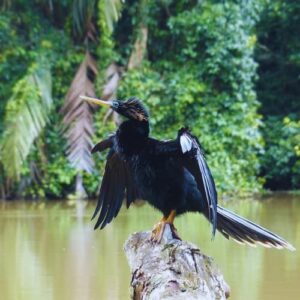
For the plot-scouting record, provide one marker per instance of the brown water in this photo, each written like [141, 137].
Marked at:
[50, 251]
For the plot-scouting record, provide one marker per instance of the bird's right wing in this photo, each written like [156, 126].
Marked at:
[103, 145]
[117, 182]
[190, 155]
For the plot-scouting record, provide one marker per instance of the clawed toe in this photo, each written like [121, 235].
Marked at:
[159, 229]
[157, 232]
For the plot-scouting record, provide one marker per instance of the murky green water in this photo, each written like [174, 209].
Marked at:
[50, 251]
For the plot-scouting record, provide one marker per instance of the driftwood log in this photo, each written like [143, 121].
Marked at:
[173, 269]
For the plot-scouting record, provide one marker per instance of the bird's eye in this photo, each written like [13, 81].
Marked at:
[115, 104]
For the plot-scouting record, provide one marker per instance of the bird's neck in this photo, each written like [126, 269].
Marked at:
[132, 136]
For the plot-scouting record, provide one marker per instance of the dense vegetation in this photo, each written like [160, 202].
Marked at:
[228, 69]
[278, 89]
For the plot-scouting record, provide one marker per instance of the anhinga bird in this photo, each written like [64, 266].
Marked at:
[172, 176]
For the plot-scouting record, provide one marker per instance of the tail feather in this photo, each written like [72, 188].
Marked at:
[244, 231]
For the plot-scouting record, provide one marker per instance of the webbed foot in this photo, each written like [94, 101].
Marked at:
[159, 228]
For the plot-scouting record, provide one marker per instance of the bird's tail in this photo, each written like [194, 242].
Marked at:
[246, 232]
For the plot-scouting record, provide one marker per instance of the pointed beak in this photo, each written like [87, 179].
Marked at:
[96, 101]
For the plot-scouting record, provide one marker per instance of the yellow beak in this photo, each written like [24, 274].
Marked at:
[96, 101]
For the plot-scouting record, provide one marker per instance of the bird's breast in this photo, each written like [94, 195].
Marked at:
[158, 179]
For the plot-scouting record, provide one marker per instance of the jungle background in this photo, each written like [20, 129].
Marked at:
[227, 69]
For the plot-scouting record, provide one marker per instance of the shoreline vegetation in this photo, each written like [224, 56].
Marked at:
[228, 70]
[71, 199]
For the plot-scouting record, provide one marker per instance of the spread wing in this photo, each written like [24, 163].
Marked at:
[116, 183]
[194, 161]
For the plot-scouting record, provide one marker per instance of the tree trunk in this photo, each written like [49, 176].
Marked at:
[173, 269]
[79, 190]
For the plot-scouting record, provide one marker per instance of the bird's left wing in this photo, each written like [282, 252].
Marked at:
[194, 161]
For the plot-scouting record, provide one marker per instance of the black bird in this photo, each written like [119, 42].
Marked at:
[172, 176]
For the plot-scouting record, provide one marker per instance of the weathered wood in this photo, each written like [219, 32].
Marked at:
[173, 269]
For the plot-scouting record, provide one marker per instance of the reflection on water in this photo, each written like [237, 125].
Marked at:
[50, 251]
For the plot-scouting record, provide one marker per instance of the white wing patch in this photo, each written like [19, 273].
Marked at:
[185, 143]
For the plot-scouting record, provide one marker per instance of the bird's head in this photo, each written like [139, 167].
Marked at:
[131, 109]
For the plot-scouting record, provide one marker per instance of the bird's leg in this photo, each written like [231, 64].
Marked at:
[170, 221]
[159, 228]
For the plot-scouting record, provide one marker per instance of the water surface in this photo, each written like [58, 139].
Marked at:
[50, 251]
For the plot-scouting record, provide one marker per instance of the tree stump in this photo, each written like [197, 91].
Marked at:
[173, 269]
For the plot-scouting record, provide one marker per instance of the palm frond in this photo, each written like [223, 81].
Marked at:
[78, 116]
[82, 14]
[112, 10]
[112, 78]
[26, 115]
[113, 74]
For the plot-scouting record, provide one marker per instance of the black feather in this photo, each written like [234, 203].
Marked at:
[116, 180]
[103, 145]
[247, 232]
[118, 190]
[194, 161]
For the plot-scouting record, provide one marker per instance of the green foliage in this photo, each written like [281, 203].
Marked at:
[47, 171]
[278, 55]
[109, 12]
[281, 161]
